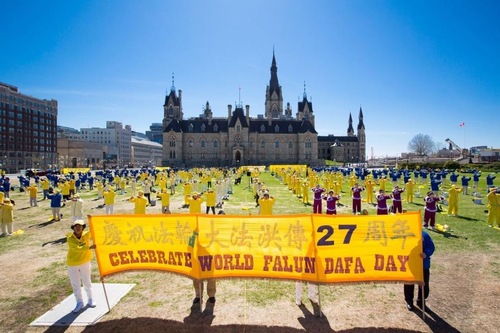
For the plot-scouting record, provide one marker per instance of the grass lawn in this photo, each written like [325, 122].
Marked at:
[464, 278]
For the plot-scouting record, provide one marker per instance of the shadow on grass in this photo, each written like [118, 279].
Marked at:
[56, 242]
[197, 322]
[41, 225]
[435, 322]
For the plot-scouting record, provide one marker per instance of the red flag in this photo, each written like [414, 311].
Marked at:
[462, 124]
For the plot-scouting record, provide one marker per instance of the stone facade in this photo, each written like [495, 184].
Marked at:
[276, 137]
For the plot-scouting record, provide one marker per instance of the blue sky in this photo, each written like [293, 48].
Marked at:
[415, 67]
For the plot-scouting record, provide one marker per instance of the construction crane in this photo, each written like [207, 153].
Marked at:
[454, 146]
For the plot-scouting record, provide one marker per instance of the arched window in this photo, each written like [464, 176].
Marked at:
[190, 143]
[308, 143]
[276, 144]
[262, 144]
[216, 143]
[290, 144]
[250, 144]
[172, 142]
[203, 143]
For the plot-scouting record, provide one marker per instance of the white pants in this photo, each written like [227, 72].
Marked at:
[77, 275]
[313, 292]
[109, 209]
[56, 213]
[7, 228]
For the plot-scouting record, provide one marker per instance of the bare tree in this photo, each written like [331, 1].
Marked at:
[421, 144]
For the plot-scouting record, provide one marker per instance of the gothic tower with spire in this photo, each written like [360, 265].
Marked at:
[274, 96]
[172, 108]
[361, 136]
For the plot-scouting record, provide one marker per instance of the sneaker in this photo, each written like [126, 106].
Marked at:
[432, 228]
[409, 306]
[78, 307]
[92, 303]
[211, 299]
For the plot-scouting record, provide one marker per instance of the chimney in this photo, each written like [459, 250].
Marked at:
[247, 108]
[229, 108]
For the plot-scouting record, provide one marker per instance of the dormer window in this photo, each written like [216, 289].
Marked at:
[203, 127]
[290, 128]
[262, 128]
[190, 128]
[216, 128]
[276, 129]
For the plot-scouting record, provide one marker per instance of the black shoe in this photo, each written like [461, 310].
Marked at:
[211, 300]
[196, 300]
[409, 306]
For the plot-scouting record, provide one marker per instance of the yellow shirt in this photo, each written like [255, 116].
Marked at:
[140, 204]
[210, 198]
[109, 197]
[194, 205]
[266, 206]
[165, 198]
[78, 249]
[7, 213]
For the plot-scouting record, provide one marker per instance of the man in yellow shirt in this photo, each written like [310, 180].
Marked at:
[109, 200]
[165, 200]
[266, 204]
[32, 190]
[210, 198]
[140, 203]
[194, 203]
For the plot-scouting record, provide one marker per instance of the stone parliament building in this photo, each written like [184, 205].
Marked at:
[277, 137]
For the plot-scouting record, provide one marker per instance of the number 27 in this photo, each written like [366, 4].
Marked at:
[323, 241]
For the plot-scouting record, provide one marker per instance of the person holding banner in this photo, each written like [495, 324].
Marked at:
[409, 289]
[78, 261]
[313, 295]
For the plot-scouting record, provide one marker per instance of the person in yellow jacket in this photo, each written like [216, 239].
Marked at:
[194, 202]
[164, 196]
[6, 217]
[453, 200]
[187, 192]
[410, 190]
[65, 190]
[33, 191]
[140, 203]
[493, 207]
[109, 200]
[210, 199]
[45, 187]
[78, 261]
[369, 185]
[266, 204]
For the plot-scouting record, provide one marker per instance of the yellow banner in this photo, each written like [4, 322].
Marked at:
[369, 248]
[307, 247]
[138, 242]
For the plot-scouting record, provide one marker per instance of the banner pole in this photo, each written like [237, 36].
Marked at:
[319, 301]
[201, 293]
[105, 293]
[423, 301]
